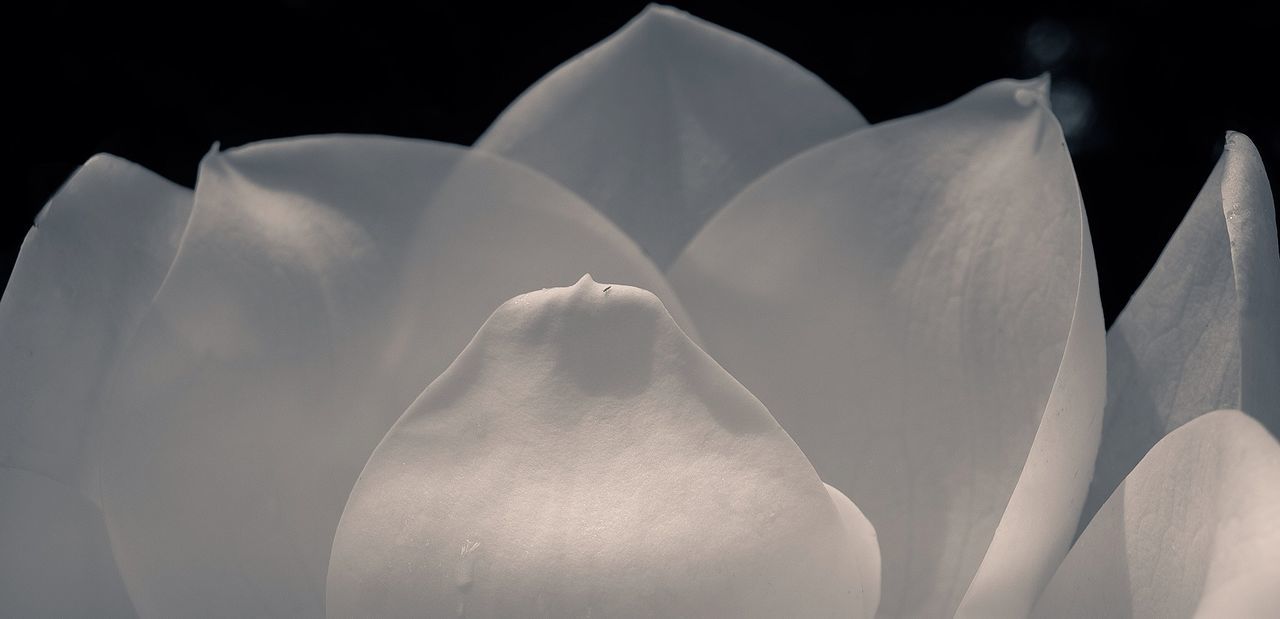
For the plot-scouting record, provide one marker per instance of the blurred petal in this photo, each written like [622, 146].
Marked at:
[583, 457]
[1191, 531]
[662, 123]
[55, 559]
[911, 302]
[321, 283]
[86, 274]
[1203, 330]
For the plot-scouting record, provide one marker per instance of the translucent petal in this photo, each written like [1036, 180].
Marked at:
[86, 274]
[902, 300]
[1190, 532]
[55, 560]
[321, 283]
[582, 457]
[662, 123]
[1203, 330]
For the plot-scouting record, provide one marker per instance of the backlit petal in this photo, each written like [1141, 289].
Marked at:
[662, 123]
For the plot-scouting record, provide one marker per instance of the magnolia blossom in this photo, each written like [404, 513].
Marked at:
[819, 369]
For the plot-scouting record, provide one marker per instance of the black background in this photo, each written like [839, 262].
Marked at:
[158, 87]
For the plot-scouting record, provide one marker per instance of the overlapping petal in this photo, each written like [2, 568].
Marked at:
[321, 283]
[582, 457]
[1190, 532]
[1203, 330]
[86, 274]
[916, 303]
[662, 123]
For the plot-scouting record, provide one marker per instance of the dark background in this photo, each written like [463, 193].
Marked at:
[1145, 94]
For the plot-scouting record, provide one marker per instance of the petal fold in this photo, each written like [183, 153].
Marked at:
[1203, 330]
[662, 123]
[582, 457]
[322, 281]
[916, 303]
[1190, 532]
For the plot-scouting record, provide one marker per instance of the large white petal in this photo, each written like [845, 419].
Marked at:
[582, 457]
[1203, 330]
[1191, 531]
[86, 274]
[662, 123]
[55, 559]
[916, 303]
[321, 283]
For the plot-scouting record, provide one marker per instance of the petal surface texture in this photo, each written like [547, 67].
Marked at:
[581, 458]
[662, 123]
[917, 303]
[1190, 532]
[322, 282]
[86, 274]
[1203, 331]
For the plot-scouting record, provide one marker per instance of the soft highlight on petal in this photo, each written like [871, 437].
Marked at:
[1203, 330]
[1190, 532]
[321, 283]
[662, 123]
[902, 299]
[87, 271]
[582, 457]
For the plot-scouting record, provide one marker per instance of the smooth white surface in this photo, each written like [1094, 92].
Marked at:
[86, 274]
[1191, 532]
[901, 300]
[581, 458]
[1203, 330]
[662, 123]
[321, 285]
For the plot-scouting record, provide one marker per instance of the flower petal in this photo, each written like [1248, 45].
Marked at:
[55, 559]
[1191, 531]
[662, 123]
[321, 283]
[86, 274]
[1202, 332]
[902, 300]
[583, 457]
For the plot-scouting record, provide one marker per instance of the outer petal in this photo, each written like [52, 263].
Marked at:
[1192, 530]
[321, 283]
[582, 457]
[915, 303]
[662, 123]
[1203, 330]
[87, 272]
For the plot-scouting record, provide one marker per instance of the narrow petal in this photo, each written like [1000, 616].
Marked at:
[916, 304]
[583, 457]
[321, 283]
[86, 274]
[1203, 330]
[662, 123]
[1190, 532]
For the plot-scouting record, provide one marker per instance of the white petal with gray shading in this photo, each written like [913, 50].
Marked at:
[662, 123]
[915, 304]
[321, 283]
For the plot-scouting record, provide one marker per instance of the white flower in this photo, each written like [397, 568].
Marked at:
[192, 382]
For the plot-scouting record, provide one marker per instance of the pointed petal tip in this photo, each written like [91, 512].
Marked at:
[1034, 91]
[1238, 140]
[98, 167]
